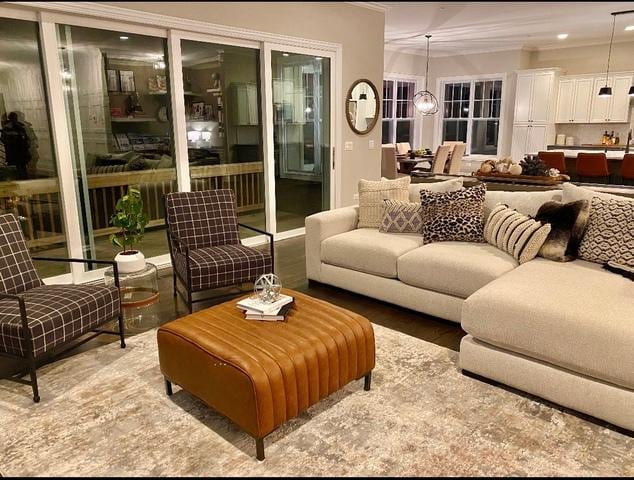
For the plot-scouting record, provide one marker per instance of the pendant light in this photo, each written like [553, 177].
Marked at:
[607, 91]
[425, 101]
[631, 92]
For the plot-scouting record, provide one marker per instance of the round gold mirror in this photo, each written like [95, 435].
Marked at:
[362, 106]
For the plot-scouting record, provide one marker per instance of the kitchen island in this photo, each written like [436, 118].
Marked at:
[614, 155]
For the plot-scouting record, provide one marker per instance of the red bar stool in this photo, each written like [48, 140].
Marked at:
[592, 166]
[554, 160]
[627, 167]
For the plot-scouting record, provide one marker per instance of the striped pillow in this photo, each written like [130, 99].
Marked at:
[515, 233]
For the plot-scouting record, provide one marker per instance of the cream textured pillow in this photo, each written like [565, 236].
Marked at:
[515, 233]
[609, 235]
[372, 194]
[444, 186]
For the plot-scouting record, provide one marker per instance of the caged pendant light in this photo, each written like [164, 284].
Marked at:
[425, 101]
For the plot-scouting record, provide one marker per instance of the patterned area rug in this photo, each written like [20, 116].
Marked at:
[104, 412]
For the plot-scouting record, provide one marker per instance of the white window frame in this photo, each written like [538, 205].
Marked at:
[418, 124]
[48, 15]
[440, 88]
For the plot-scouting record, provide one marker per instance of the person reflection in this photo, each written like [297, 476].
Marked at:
[17, 144]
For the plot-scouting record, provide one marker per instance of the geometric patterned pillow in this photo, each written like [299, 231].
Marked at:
[609, 235]
[453, 216]
[400, 217]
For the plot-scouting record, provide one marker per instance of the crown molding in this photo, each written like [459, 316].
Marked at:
[376, 6]
[418, 52]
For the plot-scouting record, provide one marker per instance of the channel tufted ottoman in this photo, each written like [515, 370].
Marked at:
[260, 374]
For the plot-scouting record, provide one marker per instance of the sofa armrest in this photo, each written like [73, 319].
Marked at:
[322, 225]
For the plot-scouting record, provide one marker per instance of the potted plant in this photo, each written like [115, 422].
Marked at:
[130, 219]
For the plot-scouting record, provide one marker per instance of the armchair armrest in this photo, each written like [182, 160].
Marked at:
[271, 242]
[322, 225]
[86, 261]
[20, 300]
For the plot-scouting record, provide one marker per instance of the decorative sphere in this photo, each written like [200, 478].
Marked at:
[515, 169]
[425, 102]
[267, 287]
[486, 168]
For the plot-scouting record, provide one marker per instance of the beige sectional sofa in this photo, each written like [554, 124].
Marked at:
[562, 331]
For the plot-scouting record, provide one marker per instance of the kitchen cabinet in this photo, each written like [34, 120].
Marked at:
[612, 109]
[574, 100]
[534, 97]
[529, 139]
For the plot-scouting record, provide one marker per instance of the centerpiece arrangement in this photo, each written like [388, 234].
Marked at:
[529, 170]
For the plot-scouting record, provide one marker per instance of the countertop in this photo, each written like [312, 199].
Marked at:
[572, 151]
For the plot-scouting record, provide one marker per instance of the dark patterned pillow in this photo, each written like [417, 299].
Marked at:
[453, 216]
[610, 232]
[400, 217]
[568, 222]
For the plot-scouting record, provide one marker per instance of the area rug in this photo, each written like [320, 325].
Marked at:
[104, 413]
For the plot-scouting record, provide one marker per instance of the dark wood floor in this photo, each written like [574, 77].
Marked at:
[291, 268]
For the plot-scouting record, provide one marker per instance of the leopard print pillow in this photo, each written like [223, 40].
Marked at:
[453, 216]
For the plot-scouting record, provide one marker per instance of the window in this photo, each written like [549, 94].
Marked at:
[398, 111]
[471, 114]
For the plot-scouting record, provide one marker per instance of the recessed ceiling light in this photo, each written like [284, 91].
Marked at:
[285, 54]
[629, 28]
[317, 58]
[562, 36]
[123, 37]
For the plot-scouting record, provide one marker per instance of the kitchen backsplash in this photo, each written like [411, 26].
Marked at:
[592, 132]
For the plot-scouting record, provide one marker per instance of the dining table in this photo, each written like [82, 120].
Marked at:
[407, 164]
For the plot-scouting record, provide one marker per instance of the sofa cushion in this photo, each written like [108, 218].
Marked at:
[372, 194]
[368, 250]
[444, 186]
[527, 203]
[455, 268]
[575, 315]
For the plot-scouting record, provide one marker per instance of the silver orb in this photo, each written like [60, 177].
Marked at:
[267, 287]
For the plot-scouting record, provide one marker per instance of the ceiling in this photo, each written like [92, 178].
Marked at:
[471, 27]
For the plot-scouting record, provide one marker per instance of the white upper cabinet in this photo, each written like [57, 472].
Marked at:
[612, 109]
[565, 101]
[582, 100]
[574, 100]
[534, 97]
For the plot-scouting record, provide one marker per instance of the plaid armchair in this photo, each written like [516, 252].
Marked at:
[37, 319]
[204, 243]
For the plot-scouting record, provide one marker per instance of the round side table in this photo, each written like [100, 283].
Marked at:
[138, 289]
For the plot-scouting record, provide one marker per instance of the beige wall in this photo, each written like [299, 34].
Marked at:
[590, 59]
[359, 31]
[462, 65]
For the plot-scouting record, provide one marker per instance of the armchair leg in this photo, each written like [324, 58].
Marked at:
[190, 304]
[121, 330]
[174, 284]
[33, 374]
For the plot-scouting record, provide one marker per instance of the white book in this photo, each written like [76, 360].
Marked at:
[257, 306]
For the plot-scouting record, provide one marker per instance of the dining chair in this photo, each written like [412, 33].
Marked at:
[389, 164]
[455, 162]
[554, 160]
[627, 167]
[452, 144]
[204, 243]
[592, 166]
[440, 158]
[403, 147]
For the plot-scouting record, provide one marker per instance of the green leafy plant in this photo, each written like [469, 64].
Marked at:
[130, 219]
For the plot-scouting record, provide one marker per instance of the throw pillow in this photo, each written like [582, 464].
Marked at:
[372, 194]
[572, 193]
[453, 216]
[610, 232]
[400, 217]
[568, 222]
[515, 233]
[444, 186]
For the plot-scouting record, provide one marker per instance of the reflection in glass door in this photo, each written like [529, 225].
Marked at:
[118, 110]
[221, 86]
[301, 136]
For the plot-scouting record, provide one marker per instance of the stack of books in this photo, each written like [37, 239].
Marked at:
[255, 309]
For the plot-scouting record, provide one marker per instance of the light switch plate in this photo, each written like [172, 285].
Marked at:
[348, 146]
[370, 144]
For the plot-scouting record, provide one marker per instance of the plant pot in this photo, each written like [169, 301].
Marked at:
[130, 261]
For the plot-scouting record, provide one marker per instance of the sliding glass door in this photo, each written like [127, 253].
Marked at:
[221, 88]
[301, 136]
[118, 112]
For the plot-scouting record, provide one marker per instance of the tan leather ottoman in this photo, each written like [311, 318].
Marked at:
[260, 374]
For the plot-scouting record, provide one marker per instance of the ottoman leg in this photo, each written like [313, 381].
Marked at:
[368, 381]
[168, 387]
[259, 448]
